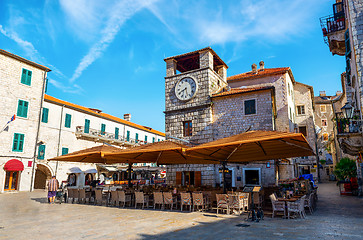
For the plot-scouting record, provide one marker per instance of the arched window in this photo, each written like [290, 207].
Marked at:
[72, 179]
[88, 179]
[115, 177]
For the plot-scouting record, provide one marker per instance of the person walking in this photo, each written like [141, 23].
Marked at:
[52, 189]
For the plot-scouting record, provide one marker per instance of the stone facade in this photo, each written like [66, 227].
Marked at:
[11, 91]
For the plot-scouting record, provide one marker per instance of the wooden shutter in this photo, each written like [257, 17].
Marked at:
[128, 136]
[41, 148]
[67, 123]
[86, 125]
[45, 115]
[29, 78]
[23, 76]
[103, 129]
[178, 179]
[197, 178]
[116, 133]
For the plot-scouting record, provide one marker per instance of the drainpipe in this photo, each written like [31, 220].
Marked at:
[317, 154]
[59, 138]
[38, 128]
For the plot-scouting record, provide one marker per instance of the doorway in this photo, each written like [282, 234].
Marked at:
[11, 180]
[42, 176]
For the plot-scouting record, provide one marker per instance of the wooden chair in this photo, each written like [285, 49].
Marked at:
[277, 206]
[186, 199]
[296, 207]
[124, 198]
[222, 202]
[158, 199]
[198, 200]
[169, 199]
[140, 198]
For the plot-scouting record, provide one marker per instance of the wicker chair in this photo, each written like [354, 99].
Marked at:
[186, 199]
[309, 203]
[140, 198]
[70, 196]
[82, 195]
[158, 199]
[114, 198]
[169, 199]
[198, 200]
[124, 198]
[296, 207]
[222, 202]
[236, 202]
[277, 206]
[99, 199]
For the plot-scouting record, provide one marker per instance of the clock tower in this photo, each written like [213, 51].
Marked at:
[191, 79]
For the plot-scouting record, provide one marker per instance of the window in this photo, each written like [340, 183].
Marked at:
[188, 178]
[153, 139]
[324, 122]
[41, 151]
[72, 179]
[67, 123]
[288, 89]
[26, 77]
[188, 128]
[250, 107]
[116, 132]
[86, 125]
[158, 139]
[18, 142]
[65, 151]
[303, 130]
[322, 108]
[300, 110]
[45, 115]
[145, 139]
[103, 129]
[46, 85]
[22, 109]
[136, 137]
[128, 136]
[325, 137]
[252, 176]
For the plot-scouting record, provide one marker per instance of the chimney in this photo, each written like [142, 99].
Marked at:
[262, 65]
[338, 93]
[254, 68]
[322, 94]
[127, 117]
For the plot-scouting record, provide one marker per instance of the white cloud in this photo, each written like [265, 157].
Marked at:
[68, 89]
[121, 12]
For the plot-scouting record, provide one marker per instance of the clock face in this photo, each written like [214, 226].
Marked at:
[185, 89]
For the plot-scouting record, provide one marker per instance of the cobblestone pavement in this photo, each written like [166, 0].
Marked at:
[26, 215]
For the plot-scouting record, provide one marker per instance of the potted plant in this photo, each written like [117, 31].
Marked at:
[346, 172]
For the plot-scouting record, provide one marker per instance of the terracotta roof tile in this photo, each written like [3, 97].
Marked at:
[260, 73]
[101, 114]
[234, 91]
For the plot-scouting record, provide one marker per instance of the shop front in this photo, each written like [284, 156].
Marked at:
[13, 169]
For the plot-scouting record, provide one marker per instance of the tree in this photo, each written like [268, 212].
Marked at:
[345, 169]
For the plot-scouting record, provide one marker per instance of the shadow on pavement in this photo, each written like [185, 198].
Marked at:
[40, 200]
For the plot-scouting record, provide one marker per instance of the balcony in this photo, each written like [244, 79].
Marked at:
[98, 136]
[350, 133]
[333, 28]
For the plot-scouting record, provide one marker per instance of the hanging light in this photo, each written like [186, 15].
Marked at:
[348, 110]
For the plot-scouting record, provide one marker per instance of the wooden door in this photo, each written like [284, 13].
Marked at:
[178, 180]
[11, 181]
[197, 178]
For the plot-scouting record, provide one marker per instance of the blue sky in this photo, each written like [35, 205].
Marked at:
[109, 54]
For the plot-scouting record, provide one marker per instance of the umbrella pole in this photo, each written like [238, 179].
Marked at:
[129, 175]
[224, 177]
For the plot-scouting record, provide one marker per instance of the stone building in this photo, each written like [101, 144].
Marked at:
[304, 101]
[202, 105]
[343, 33]
[22, 89]
[46, 127]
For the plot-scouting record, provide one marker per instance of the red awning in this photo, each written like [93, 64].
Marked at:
[14, 165]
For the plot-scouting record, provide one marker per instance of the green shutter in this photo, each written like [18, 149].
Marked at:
[128, 136]
[26, 77]
[86, 125]
[158, 140]
[103, 129]
[64, 151]
[45, 115]
[41, 151]
[136, 137]
[116, 133]
[18, 142]
[153, 139]
[22, 109]
[46, 85]
[145, 139]
[67, 123]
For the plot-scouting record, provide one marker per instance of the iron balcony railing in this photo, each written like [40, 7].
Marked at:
[352, 125]
[331, 24]
[106, 136]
